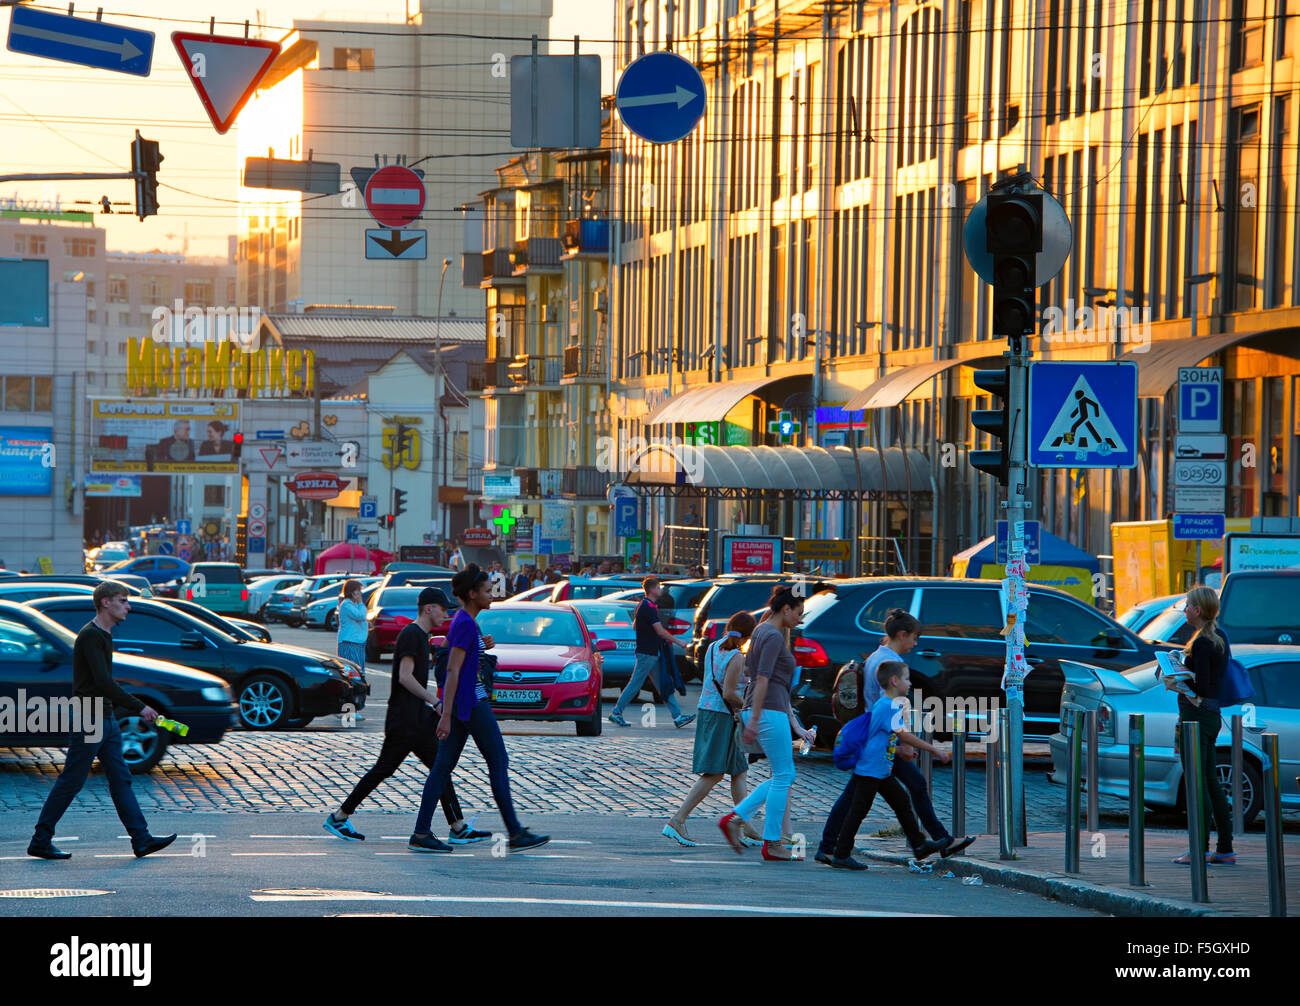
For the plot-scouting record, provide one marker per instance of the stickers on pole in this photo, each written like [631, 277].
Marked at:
[224, 70]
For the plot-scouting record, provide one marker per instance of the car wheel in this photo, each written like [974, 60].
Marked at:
[143, 744]
[264, 703]
[332, 620]
[593, 726]
[261, 614]
[1252, 785]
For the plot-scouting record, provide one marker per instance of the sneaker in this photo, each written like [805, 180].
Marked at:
[682, 721]
[46, 850]
[848, 863]
[343, 829]
[824, 857]
[522, 841]
[617, 720]
[427, 843]
[153, 845]
[954, 846]
[468, 835]
[925, 849]
[1222, 858]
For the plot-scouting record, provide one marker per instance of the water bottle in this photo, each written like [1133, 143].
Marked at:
[177, 728]
[807, 745]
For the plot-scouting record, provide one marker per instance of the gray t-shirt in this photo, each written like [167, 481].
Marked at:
[769, 658]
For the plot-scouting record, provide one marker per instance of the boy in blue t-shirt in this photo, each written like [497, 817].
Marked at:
[872, 774]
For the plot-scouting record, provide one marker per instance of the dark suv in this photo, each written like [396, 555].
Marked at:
[1259, 606]
[960, 654]
[728, 595]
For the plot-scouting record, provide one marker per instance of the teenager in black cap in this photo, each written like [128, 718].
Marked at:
[410, 726]
[467, 712]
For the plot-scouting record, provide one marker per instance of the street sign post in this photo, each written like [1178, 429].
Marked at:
[184, 527]
[369, 507]
[1032, 541]
[68, 39]
[320, 177]
[660, 97]
[224, 70]
[625, 517]
[1083, 415]
[1198, 499]
[1200, 399]
[395, 196]
[1199, 526]
[397, 244]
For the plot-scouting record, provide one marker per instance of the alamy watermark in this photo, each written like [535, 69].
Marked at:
[195, 326]
[636, 454]
[1130, 326]
[42, 714]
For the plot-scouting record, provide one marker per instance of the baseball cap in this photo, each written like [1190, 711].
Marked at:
[432, 595]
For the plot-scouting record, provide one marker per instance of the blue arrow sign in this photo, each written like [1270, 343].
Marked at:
[68, 39]
[660, 97]
[386, 243]
[184, 527]
[1083, 415]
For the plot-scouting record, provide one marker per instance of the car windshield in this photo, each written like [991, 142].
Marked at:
[400, 597]
[1164, 625]
[547, 628]
[597, 613]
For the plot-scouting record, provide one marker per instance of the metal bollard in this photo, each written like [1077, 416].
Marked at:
[992, 769]
[959, 776]
[1092, 772]
[1273, 828]
[1006, 805]
[927, 759]
[1238, 811]
[1196, 838]
[1074, 761]
[1137, 814]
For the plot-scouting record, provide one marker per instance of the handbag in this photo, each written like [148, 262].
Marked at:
[750, 749]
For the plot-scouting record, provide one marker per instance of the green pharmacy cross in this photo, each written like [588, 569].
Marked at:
[504, 521]
[784, 425]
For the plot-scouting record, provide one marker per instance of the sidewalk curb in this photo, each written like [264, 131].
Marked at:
[1060, 887]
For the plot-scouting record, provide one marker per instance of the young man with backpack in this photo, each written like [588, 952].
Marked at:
[873, 768]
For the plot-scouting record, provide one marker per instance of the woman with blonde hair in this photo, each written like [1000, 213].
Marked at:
[717, 752]
[1206, 656]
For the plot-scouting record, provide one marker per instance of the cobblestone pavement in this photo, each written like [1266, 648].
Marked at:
[643, 776]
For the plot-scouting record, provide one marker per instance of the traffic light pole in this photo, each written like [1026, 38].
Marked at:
[1017, 357]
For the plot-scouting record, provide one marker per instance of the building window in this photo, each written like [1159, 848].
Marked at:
[43, 394]
[121, 349]
[1247, 33]
[214, 495]
[79, 247]
[198, 293]
[92, 378]
[31, 244]
[1283, 253]
[354, 59]
[90, 346]
[18, 394]
[460, 455]
[1244, 212]
[157, 289]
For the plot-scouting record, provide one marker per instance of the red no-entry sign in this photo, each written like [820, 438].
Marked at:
[395, 195]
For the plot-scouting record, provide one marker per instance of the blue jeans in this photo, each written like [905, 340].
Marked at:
[910, 776]
[82, 753]
[772, 794]
[646, 664]
[482, 726]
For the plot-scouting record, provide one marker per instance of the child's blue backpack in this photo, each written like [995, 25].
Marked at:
[851, 740]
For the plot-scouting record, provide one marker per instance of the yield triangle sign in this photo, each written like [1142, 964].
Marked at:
[1082, 427]
[224, 70]
[270, 455]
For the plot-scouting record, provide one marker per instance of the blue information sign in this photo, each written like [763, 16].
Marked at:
[625, 517]
[166, 548]
[1206, 526]
[1033, 540]
[270, 435]
[184, 527]
[1083, 415]
[101, 44]
[255, 545]
[369, 508]
[660, 97]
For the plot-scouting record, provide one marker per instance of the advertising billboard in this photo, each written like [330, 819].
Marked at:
[102, 484]
[26, 460]
[167, 437]
[751, 555]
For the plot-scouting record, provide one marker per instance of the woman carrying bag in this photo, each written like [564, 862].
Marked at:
[717, 748]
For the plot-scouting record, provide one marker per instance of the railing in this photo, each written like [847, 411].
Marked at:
[549, 481]
[527, 481]
[586, 236]
[536, 370]
[471, 269]
[538, 253]
[497, 265]
[474, 481]
[584, 482]
[489, 374]
[584, 361]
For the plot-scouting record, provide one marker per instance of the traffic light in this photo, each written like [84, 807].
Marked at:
[399, 502]
[995, 422]
[1014, 237]
[386, 520]
[405, 438]
[145, 160]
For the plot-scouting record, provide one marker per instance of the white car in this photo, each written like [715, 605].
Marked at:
[261, 589]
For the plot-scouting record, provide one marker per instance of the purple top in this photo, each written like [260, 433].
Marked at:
[464, 634]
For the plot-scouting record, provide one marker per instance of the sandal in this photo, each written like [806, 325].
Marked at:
[1184, 860]
[678, 837]
[1222, 858]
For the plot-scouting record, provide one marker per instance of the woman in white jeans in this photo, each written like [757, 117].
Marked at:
[769, 721]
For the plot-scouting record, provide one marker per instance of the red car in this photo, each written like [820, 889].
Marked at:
[548, 664]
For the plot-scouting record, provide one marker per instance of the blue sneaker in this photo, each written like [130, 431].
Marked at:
[343, 829]
[682, 721]
[467, 835]
[617, 720]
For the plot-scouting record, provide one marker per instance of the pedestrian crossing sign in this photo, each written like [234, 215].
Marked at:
[1083, 415]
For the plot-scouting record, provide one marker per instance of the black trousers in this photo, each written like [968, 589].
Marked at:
[397, 745]
[864, 793]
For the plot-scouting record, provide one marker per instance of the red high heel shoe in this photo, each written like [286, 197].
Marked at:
[791, 858]
[731, 827]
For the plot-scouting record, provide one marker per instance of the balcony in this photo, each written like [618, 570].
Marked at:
[527, 482]
[586, 237]
[489, 374]
[584, 482]
[474, 481]
[538, 254]
[471, 269]
[536, 370]
[497, 267]
[584, 361]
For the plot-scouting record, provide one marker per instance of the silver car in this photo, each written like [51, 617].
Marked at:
[1275, 708]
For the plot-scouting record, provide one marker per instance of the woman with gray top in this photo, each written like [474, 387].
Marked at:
[768, 722]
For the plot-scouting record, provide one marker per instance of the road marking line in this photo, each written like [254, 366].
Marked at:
[447, 855]
[717, 862]
[590, 903]
[548, 855]
[132, 855]
[570, 841]
[279, 853]
[290, 836]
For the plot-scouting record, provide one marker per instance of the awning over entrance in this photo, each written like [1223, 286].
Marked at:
[784, 469]
[1158, 363]
[893, 388]
[706, 404]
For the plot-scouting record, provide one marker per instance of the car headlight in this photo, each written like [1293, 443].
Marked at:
[325, 669]
[575, 672]
[216, 693]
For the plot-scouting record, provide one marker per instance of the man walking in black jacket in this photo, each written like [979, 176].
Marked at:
[92, 678]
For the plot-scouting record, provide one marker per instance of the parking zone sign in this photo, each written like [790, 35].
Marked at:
[1200, 399]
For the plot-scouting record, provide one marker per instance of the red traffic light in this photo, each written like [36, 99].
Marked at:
[238, 438]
